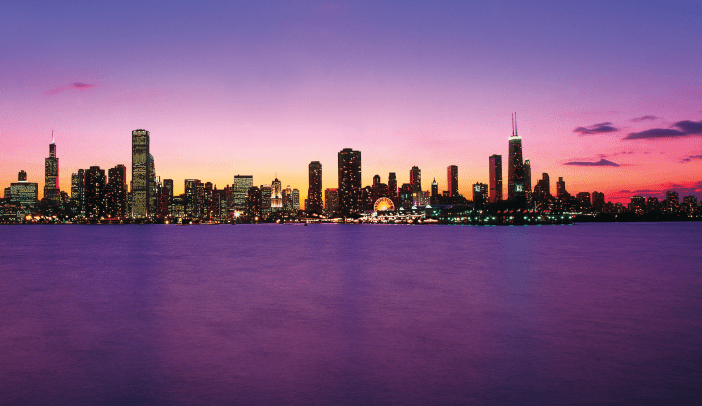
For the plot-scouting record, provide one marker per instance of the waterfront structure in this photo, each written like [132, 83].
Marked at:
[584, 200]
[116, 191]
[349, 189]
[142, 176]
[598, 201]
[51, 174]
[314, 190]
[239, 190]
[480, 195]
[95, 206]
[495, 167]
[527, 178]
[276, 196]
[434, 190]
[515, 165]
[452, 179]
[23, 193]
[416, 184]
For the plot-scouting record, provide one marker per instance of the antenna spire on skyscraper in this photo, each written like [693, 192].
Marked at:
[512, 124]
[52, 137]
[516, 131]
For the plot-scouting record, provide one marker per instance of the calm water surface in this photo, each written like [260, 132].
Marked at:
[351, 315]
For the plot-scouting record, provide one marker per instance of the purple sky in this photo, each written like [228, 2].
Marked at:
[609, 96]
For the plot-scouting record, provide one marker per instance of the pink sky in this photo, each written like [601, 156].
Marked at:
[265, 89]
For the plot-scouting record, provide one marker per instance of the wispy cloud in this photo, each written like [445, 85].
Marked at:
[72, 86]
[691, 158]
[601, 128]
[643, 118]
[601, 162]
[680, 129]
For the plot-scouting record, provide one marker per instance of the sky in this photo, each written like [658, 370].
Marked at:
[608, 95]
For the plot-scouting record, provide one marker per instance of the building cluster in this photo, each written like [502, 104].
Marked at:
[97, 196]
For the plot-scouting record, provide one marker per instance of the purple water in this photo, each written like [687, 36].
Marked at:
[351, 315]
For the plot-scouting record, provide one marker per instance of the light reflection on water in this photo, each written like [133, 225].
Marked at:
[333, 314]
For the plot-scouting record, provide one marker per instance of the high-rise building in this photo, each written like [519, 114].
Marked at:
[153, 186]
[331, 200]
[240, 188]
[480, 195]
[416, 183]
[392, 185]
[254, 200]
[276, 196]
[116, 191]
[515, 168]
[194, 198]
[51, 174]
[637, 205]
[22, 193]
[452, 179]
[584, 200]
[295, 200]
[95, 206]
[434, 189]
[314, 191]
[672, 201]
[168, 186]
[598, 200]
[265, 200]
[561, 192]
[287, 199]
[349, 189]
[495, 178]
[142, 176]
[527, 178]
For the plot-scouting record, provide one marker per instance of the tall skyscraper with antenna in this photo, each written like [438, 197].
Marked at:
[515, 168]
[51, 174]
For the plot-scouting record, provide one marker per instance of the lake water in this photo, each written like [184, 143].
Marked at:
[351, 315]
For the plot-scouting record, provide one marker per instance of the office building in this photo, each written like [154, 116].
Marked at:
[240, 188]
[276, 196]
[331, 200]
[314, 190]
[349, 189]
[23, 193]
[515, 168]
[116, 191]
[142, 176]
[452, 180]
[51, 174]
[495, 163]
[95, 206]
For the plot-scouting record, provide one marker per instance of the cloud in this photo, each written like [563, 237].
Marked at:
[601, 162]
[601, 128]
[683, 128]
[643, 118]
[690, 158]
[74, 85]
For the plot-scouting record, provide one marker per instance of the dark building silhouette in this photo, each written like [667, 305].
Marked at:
[253, 203]
[527, 178]
[51, 174]
[194, 198]
[480, 195]
[452, 179]
[116, 191]
[598, 201]
[349, 181]
[314, 191]
[434, 192]
[95, 206]
[515, 169]
[331, 200]
[584, 200]
[495, 162]
[561, 191]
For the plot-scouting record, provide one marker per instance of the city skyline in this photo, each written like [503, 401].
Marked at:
[289, 83]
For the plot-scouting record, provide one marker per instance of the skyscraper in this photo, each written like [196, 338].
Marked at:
[276, 196]
[240, 188]
[314, 191]
[95, 192]
[23, 193]
[142, 178]
[434, 190]
[116, 191]
[392, 187]
[194, 198]
[349, 190]
[561, 192]
[51, 174]
[416, 183]
[527, 177]
[452, 179]
[515, 169]
[331, 200]
[495, 178]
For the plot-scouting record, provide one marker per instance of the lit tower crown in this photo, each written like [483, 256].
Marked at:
[515, 169]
